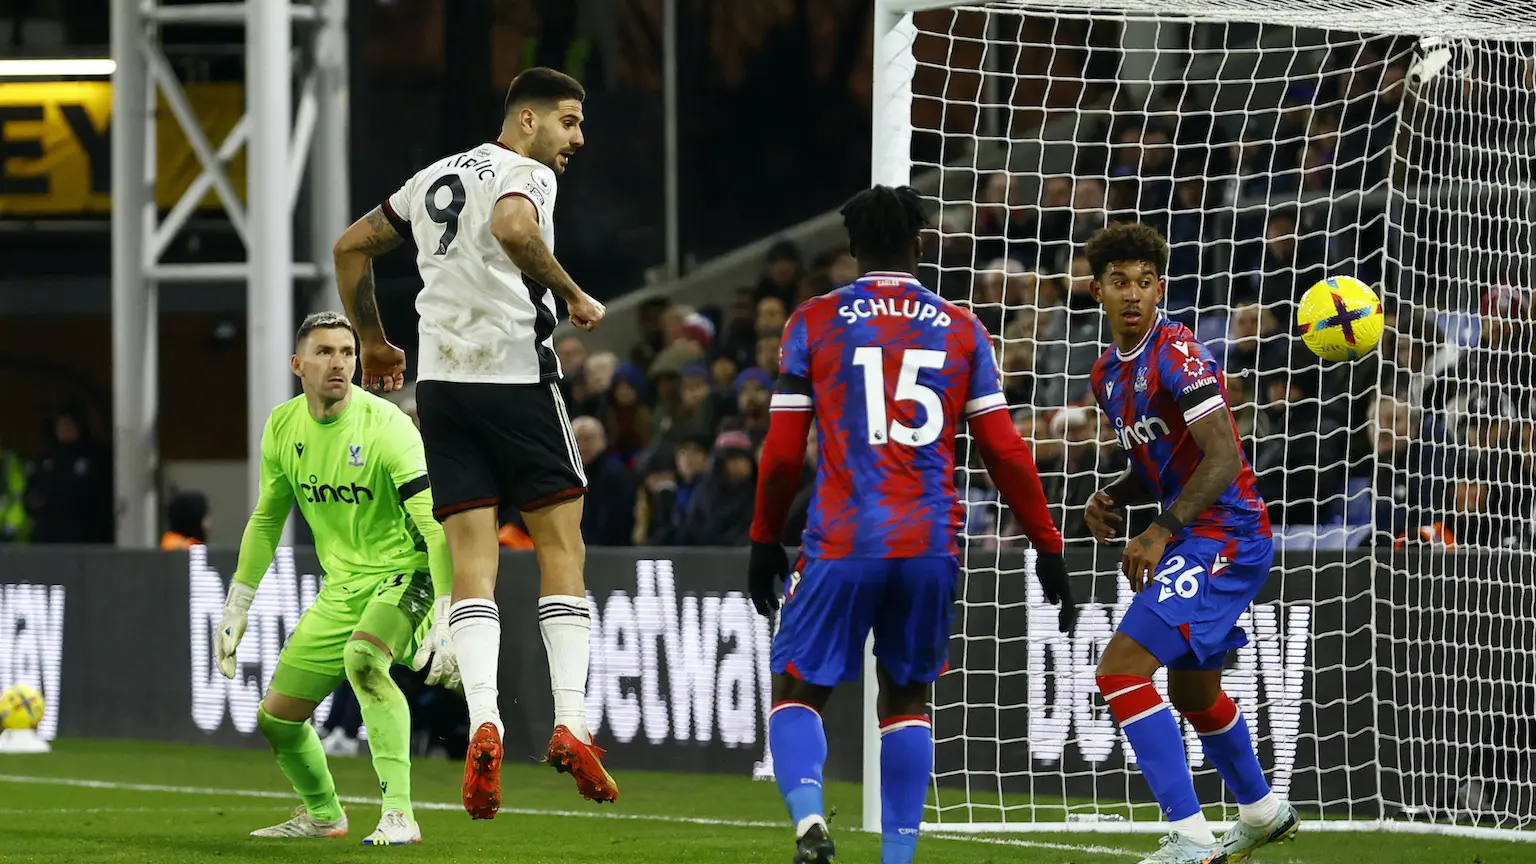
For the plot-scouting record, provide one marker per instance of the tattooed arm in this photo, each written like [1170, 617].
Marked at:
[1219, 464]
[367, 238]
[515, 225]
[373, 235]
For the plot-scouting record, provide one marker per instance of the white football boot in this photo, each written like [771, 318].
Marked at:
[303, 825]
[394, 830]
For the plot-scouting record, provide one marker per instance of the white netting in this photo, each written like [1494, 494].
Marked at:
[1388, 678]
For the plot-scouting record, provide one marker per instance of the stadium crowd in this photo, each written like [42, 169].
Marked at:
[1430, 438]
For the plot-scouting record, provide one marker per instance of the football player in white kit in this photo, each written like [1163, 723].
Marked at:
[492, 419]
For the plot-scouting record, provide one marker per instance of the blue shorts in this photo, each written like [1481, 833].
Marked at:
[1187, 615]
[832, 605]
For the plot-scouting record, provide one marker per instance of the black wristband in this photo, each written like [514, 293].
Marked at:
[1169, 521]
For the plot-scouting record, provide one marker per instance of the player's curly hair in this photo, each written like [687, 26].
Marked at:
[883, 222]
[1126, 241]
[326, 320]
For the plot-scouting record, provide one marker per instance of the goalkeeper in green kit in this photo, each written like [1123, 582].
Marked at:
[354, 464]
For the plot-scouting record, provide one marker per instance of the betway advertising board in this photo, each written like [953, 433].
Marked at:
[679, 676]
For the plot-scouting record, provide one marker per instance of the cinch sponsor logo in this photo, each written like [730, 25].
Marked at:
[316, 492]
[1144, 431]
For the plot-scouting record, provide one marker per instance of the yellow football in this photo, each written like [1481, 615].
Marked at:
[1340, 318]
[21, 707]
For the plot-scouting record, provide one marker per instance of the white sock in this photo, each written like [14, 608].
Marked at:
[1261, 813]
[565, 621]
[808, 823]
[474, 626]
[1195, 828]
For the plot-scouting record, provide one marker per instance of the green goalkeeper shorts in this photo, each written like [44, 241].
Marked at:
[396, 609]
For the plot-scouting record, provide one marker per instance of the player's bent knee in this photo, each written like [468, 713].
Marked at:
[367, 666]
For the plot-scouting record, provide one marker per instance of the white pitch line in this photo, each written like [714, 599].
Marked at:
[528, 811]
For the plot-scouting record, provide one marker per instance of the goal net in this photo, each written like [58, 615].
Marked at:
[1389, 681]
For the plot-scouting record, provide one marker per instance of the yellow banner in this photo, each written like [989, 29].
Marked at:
[56, 146]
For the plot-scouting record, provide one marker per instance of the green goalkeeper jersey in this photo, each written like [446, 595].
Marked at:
[360, 479]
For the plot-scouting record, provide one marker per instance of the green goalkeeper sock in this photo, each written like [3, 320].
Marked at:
[388, 718]
[302, 759]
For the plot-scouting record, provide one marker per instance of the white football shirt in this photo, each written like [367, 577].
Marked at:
[481, 321]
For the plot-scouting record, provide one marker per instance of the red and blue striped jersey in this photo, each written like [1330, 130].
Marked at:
[1152, 395]
[890, 370]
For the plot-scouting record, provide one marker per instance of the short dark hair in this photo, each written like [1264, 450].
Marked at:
[883, 222]
[326, 320]
[1126, 241]
[542, 84]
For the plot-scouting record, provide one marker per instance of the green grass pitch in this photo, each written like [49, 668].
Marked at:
[121, 802]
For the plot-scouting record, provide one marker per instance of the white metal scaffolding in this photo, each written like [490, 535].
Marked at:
[279, 142]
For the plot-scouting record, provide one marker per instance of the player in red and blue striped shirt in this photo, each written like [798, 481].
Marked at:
[889, 371]
[1199, 565]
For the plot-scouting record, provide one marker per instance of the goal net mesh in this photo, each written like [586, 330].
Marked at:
[1390, 673]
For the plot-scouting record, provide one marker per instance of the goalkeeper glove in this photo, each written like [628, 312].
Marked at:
[237, 605]
[437, 647]
[768, 565]
[1051, 570]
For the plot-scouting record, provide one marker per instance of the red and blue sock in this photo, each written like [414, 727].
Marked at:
[1154, 735]
[1224, 736]
[799, 745]
[906, 768]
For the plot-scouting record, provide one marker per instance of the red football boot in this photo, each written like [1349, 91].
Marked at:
[584, 761]
[482, 773]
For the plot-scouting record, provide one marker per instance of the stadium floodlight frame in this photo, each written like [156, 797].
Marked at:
[279, 142]
[1436, 23]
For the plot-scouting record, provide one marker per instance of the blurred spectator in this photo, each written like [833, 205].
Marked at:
[693, 414]
[843, 270]
[1395, 484]
[812, 285]
[782, 272]
[1071, 473]
[1088, 214]
[186, 521]
[740, 340]
[772, 313]
[669, 491]
[754, 388]
[15, 522]
[720, 513]
[1307, 448]
[572, 353]
[698, 329]
[71, 494]
[627, 418]
[1282, 266]
[589, 394]
[1500, 369]
[608, 514]
[768, 355]
[652, 334]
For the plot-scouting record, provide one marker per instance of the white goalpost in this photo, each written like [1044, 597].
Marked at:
[1390, 680]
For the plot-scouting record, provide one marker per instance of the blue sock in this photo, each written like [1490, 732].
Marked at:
[1154, 735]
[799, 745]
[1224, 736]
[906, 768]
